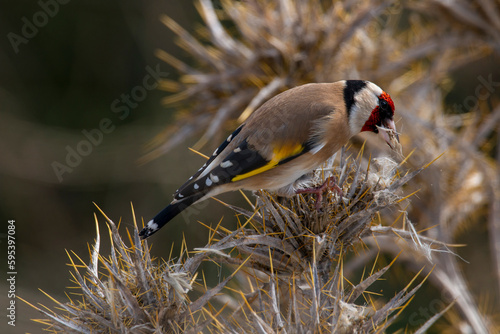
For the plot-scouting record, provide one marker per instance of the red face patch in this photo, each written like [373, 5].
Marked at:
[384, 110]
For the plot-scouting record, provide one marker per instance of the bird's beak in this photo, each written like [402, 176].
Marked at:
[389, 133]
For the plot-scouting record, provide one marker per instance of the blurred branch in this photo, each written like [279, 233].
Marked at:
[494, 214]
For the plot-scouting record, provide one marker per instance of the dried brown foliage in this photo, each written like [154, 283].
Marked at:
[287, 261]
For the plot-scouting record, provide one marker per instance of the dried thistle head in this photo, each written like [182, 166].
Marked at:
[287, 261]
[291, 255]
[127, 292]
[340, 222]
[249, 51]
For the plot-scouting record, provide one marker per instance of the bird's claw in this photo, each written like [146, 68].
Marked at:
[330, 183]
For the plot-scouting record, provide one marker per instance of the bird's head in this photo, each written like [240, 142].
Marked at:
[370, 109]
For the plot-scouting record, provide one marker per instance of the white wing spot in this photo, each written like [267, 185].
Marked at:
[214, 178]
[208, 182]
[196, 186]
[229, 138]
[236, 150]
[226, 164]
[215, 152]
[180, 195]
[152, 225]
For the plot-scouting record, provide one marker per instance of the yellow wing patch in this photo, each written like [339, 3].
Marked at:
[279, 154]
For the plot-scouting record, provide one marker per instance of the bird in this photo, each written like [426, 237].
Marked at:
[285, 139]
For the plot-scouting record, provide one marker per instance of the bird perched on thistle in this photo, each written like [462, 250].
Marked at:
[284, 140]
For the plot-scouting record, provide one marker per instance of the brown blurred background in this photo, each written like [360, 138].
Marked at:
[62, 81]
[87, 66]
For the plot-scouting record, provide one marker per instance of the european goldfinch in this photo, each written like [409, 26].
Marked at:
[285, 139]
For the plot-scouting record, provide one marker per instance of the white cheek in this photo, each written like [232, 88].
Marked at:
[361, 111]
[354, 123]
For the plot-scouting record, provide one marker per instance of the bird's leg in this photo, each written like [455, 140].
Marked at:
[330, 183]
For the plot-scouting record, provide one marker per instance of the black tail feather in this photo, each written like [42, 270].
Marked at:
[168, 214]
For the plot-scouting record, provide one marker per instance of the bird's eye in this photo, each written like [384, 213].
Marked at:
[383, 104]
[385, 108]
